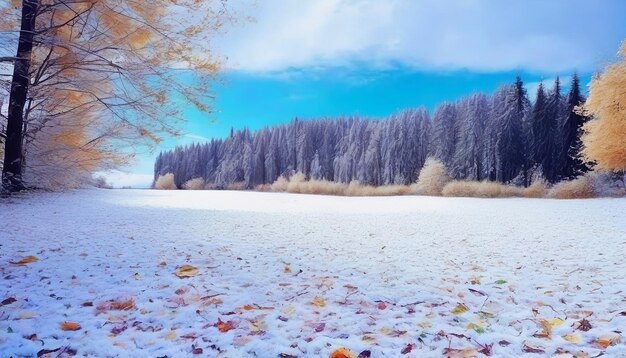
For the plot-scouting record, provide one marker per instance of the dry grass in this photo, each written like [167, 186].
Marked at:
[165, 182]
[538, 189]
[481, 189]
[431, 180]
[194, 184]
[580, 188]
[298, 184]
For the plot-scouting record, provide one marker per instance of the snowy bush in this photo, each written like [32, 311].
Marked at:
[432, 178]
[194, 184]
[165, 182]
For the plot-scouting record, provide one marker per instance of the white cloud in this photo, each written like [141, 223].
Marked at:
[483, 35]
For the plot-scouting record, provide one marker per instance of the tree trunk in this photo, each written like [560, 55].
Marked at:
[13, 153]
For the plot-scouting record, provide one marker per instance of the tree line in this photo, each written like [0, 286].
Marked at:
[502, 137]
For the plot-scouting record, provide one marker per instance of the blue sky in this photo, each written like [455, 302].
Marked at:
[313, 58]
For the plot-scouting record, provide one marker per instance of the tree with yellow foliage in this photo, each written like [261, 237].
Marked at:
[604, 137]
[93, 78]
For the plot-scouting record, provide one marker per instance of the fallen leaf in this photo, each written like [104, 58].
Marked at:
[8, 301]
[122, 305]
[475, 327]
[572, 338]
[170, 336]
[318, 301]
[288, 310]
[47, 351]
[365, 354]
[407, 349]
[500, 282]
[70, 326]
[224, 326]
[460, 309]
[287, 269]
[186, 271]
[532, 348]
[248, 307]
[605, 341]
[196, 350]
[25, 260]
[342, 353]
[583, 325]
[381, 305]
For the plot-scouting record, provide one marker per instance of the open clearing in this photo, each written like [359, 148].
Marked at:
[302, 275]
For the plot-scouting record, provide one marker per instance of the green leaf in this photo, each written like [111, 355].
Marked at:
[500, 282]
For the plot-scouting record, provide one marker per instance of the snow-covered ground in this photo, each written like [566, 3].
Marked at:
[282, 275]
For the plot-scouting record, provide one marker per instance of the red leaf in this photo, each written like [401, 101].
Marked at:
[408, 348]
[196, 350]
[8, 301]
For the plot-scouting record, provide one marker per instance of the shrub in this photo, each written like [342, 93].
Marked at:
[279, 185]
[165, 182]
[579, 188]
[432, 178]
[194, 184]
[480, 189]
[538, 189]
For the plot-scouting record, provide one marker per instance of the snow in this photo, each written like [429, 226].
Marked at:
[390, 271]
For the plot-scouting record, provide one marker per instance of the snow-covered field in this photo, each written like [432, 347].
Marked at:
[281, 275]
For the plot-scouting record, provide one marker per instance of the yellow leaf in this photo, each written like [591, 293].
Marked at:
[556, 322]
[25, 260]
[460, 309]
[572, 338]
[287, 269]
[170, 336]
[186, 271]
[289, 310]
[70, 326]
[475, 280]
[342, 353]
[318, 301]
[425, 325]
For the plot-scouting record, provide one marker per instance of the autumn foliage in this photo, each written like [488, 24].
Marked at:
[604, 137]
[102, 76]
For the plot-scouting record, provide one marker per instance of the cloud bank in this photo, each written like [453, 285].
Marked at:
[478, 35]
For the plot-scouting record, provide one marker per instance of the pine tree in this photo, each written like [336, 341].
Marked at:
[572, 165]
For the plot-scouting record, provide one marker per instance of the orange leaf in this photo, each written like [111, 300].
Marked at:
[225, 326]
[123, 305]
[248, 308]
[342, 353]
[70, 326]
[605, 341]
[25, 260]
